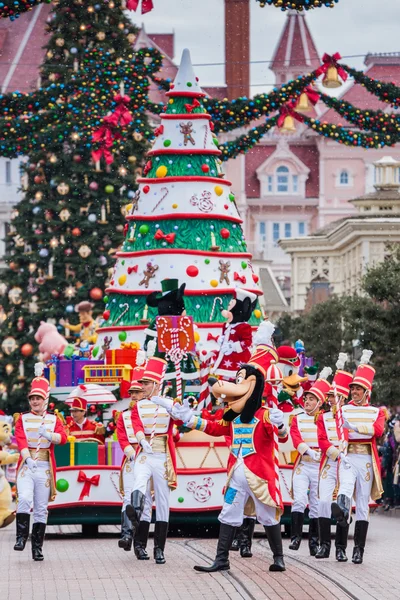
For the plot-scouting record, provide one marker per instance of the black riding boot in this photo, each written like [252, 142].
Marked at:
[313, 536]
[37, 537]
[246, 537]
[135, 508]
[360, 536]
[22, 521]
[341, 543]
[275, 543]
[221, 562]
[341, 510]
[160, 537]
[296, 530]
[324, 526]
[140, 542]
[125, 541]
[235, 542]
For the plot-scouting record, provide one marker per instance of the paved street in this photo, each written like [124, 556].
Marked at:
[89, 569]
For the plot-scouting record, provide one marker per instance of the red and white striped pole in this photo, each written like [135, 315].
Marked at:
[204, 396]
[339, 420]
[274, 377]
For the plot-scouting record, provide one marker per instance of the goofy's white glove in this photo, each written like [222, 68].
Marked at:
[276, 417]
[349, 426]
[44, 433]
[315, 455]
[166, 403]
[182, 412]
[147, 449]
[31, 464]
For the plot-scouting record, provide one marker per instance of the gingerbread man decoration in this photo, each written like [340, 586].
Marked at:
[187, 130]
[148, 274]
[224, 267]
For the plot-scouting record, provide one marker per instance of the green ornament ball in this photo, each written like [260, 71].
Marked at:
[244, 264]
[95, 351]
[143, 229]
[122, 336]
[105, 299]
[109, 189]
[232, 197]
[189, 84]
[122, 262]
[216, 142]
[62, 485]
[167, 143]
[207, 261]
[180, 499]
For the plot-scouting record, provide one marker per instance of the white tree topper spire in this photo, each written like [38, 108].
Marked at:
[186, 81]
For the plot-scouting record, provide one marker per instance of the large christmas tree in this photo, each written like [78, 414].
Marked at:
[65, 230]
[183, 224]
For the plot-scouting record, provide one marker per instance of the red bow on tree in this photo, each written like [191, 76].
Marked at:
[212, 338]
[159, 130]
[191, 107]
[147, 167]
[168, 237]
[126, 227]
[121, 115]
[133, 269]
[88, 482]
[286, 110]
[147, 5]
[237, 277]
[331, 61]
[105, 136]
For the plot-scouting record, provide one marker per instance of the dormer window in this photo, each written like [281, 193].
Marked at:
[282, 180]
[344, 177]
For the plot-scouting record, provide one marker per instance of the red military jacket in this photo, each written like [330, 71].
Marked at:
[26, 428]
[240, 335]
[88, 429]
[328, 437]
[255, 441]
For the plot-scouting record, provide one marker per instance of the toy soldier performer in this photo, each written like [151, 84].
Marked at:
[360, 475]
[303, 431]
[156, 459]
[36, 471]
[128, 443]
[79, 425]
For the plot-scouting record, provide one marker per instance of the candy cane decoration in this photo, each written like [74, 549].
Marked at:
[39, 368]
[206, 135]
[204, 396]
[213, 306]
[339, 420]
[273, 376]
[166, 192]
[126, 305]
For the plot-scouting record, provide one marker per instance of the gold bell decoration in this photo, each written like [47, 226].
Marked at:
[303, 105]
[331, 79]
[288, 125]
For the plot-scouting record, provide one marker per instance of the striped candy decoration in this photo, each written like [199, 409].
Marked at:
[339, 420]
[274, 376]
[205, 396]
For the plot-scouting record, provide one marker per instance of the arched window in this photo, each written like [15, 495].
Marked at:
[344, 178]
[282, 180]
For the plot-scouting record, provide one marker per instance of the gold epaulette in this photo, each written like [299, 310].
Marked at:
[60, 416]
[291, 417]
[266, 415]
[16, 416]
[316, 416]
[224, 423]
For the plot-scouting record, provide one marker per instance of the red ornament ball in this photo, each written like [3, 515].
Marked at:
[51, 406]
[192, 271]
[96, 293]
[205, 168]
[92, 409]
[26, 349]
[76, 231]
[146, 189]
[106, 315]
[225, 233]
[77, 158]
[93, 185]
[54, 293]
[38, 179]
[255, 278]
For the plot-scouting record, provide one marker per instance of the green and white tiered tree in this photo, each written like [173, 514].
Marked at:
[183, 224]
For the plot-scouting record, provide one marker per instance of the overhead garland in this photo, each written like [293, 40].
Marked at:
[12, 9]
[298, 5]
[386, 91]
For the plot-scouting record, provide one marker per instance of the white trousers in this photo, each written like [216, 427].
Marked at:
[235, 500]
[305, 488]
[153, 466]
[327, 483]
[127, 478]
[33, 487]
[357, 481]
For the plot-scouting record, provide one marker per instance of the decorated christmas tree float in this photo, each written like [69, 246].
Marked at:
[183, 224]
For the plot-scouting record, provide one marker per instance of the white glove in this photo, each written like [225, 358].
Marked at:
[147, 449]
[166, 403]
[345, 461]
[349, 426]
[182, 412]
[44, 433]
[227, 348]
[31, 464]
[315, 454]
[276, 416]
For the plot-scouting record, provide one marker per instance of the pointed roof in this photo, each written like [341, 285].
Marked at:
[295, 50]
[185, 83]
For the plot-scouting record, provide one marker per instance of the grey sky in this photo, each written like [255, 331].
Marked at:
[352, 27]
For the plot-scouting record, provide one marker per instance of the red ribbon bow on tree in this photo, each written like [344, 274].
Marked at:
[191, 107]
[106, 136]
[88, 482]
[212, 338]
[121, 115]
[133, 269]
[331, 61]
[147, 167]
[168, 237]
[147, 5]
[237, 277]
[286, 110]
[159, 130]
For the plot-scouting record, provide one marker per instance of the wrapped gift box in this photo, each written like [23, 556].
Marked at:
[63, 455]
[102, 454]
[81, 453]
[121, 356]
[114, 454]
[69, 372]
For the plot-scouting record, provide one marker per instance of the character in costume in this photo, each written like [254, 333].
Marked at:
[79, 426]
[86, 329]
[251, 465]
[36, 472]
[236, 339]
[303, 431]
[359, 473]
[155, 457]
[291, 393]
[127, 441]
